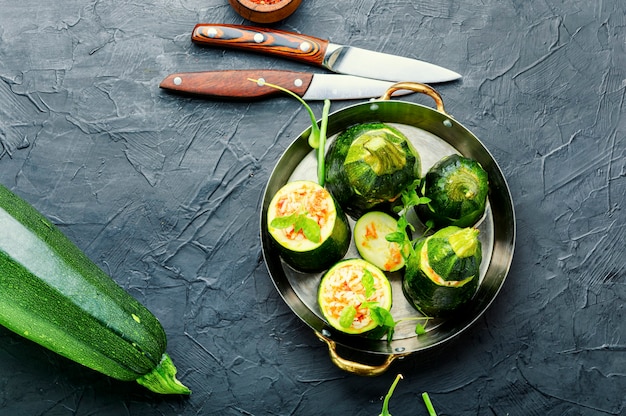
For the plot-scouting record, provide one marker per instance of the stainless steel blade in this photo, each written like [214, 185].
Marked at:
[346, 87]
[384, 66]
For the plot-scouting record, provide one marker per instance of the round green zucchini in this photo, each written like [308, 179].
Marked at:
[457, 188]
[369, 236]
[52, 294]
[347, 292]
[368, 166]
[309, 228]
[443, 273]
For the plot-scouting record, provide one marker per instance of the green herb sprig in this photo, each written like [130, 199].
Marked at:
[425, 397]
[317, 137]
[385, 410]
[387, 324]
[410, 199]
[300, 222]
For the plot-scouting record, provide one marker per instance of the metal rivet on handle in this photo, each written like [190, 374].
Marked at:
[211, 32]
[297, 82]
[178, 80]
[258, 38]
[305, 46]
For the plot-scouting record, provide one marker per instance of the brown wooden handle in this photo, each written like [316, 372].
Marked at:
[237, 83]
[303, 48]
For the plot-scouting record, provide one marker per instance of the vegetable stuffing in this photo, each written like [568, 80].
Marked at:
[351, 293]
[309, 229]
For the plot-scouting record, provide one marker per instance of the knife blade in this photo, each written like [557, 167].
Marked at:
[320, 52]
[237, 84]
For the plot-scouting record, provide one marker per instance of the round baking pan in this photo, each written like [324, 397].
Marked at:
[434, 134]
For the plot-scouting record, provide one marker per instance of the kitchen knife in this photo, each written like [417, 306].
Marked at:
[320, 52]
[237, 84]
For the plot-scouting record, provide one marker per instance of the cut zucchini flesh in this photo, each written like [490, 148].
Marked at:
[370, 233]
[344, 289]
[311, 231]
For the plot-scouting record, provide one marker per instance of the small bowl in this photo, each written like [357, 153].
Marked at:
[265, 11]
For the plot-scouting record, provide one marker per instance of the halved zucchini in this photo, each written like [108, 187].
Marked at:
[369, 235]
[347, 293]
[309, 228]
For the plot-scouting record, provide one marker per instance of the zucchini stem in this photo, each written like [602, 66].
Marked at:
[163, 378]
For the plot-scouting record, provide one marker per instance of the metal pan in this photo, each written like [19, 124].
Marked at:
[434, 134]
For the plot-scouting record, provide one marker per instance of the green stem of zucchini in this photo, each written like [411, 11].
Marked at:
[163, 379]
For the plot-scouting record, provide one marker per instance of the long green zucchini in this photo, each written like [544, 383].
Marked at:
[52, 294]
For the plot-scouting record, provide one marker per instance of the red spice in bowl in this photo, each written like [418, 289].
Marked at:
[265, 11]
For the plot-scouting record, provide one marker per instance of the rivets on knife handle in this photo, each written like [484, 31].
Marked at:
[297, 82]
[305, 46]
[177, 80]
[211, 32]
[258, 37]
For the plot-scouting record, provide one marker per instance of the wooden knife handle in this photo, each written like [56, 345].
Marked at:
[237, 83]
[303, 48]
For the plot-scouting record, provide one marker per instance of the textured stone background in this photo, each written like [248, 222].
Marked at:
[164, 192]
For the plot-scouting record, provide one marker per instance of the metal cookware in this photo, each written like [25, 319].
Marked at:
[434, 134]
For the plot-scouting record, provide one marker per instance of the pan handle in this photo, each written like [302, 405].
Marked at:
[417, 87]
[352, 366]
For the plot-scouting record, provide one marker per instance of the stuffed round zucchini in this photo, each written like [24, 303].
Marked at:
[308, 227]
[457, 188]
[443, 273]
[369, 165]
[347, 293]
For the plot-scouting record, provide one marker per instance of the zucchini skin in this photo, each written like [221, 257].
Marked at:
[458, 189]
[331, 249]
[326, 287]
[370, 233]
[355, 185]
[427, 296]
[53, 294]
